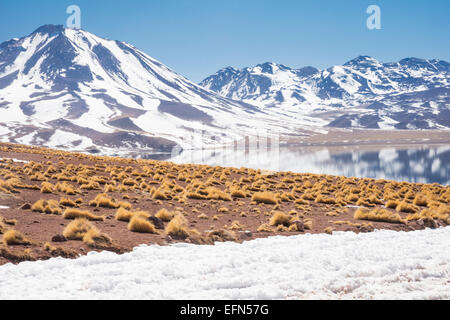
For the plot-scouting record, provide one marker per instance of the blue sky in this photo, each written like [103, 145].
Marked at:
[198, 37]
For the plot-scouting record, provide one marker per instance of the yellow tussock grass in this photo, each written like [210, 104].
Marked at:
[46, 206]
[405, 207]
[72, 213]
[165, 215]
[221, 235]
[203, 216]
[47, 187]
[123, 214]
[67, 202]
[77, 229]
[266, 197]
[237, 192]
[378, 214]
[308, 224]
[280, 218]
[217, 194]
[95, 238]
[14, 237]
[140, 224]
[392, 204]
[420, 200]
[264, 228]
[177, 227]
[236, 225]
[104, 201]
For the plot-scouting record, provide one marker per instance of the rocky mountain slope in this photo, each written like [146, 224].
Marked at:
[363, 93]
[70, 89]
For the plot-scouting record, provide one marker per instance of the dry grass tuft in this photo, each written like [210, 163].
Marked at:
[236, 225]
[265, 228]
[392, 204]
[14, 237]
[177, 227]
[77, 229]
[420, 200]
[266, 197]
[125, 215]
[405, 207]
[96, 239]
[236, 192]
[72, 213]
[104, 201]
[222, 235]
[322, 199]
[280, 218]
[67, 202]
[47, 187]
[378, 214]
[138, 223]
[217, 194]
[47, 206]
[165, 215]
[308, 224]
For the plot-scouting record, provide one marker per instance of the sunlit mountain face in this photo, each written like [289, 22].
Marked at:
[71, 89]
[362, 93]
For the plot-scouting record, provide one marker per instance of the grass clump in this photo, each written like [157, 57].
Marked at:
[280, 218]
[67, 202]
[13, 237]
[177, 227]
[378, 214]
[125, 215]
[217, 194]
[77, 229]
[236, 225]
[165, 215]
[72, 213]
[47, 206]
[266, 197]
[104, 201]
[237, 192]
[221, 235]
[96, 239]
[264, 228]
[405, 207]
[140, 224]
[47, 187]
[308, 224]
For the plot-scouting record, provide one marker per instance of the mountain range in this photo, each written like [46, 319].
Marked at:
[70, 89]
[363, 93]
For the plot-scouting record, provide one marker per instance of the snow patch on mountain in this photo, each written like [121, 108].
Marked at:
[92, 90]
[410, 94]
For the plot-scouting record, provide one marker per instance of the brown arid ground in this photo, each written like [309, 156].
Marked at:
[56, 203]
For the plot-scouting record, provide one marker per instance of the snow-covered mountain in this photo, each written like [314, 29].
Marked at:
[409, 94]
[70, 89]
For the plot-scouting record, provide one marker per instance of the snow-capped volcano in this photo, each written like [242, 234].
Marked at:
[412, 93]
[68, 88]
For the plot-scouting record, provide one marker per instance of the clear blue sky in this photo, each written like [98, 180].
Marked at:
[198, 37]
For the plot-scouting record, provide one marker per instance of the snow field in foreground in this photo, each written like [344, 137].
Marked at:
[379, 265]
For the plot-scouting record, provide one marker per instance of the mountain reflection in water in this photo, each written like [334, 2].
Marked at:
[426, 164]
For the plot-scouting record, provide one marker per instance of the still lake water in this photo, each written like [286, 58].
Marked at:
[426, 164]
